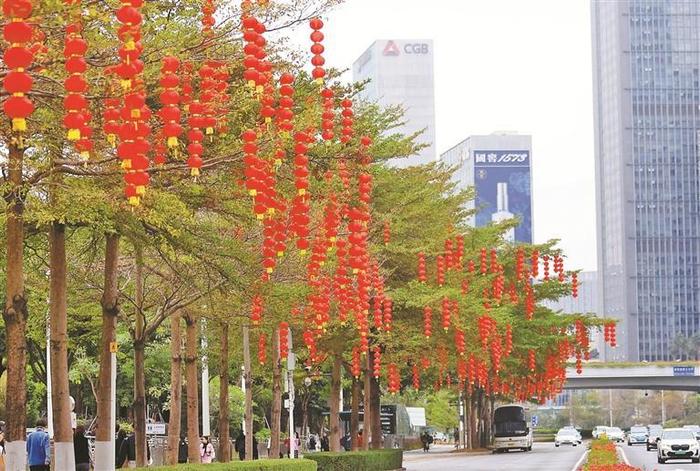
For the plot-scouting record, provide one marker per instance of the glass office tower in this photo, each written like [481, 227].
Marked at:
[646, 57]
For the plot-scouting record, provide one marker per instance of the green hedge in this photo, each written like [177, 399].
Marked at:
[375, 460]
[257, 465]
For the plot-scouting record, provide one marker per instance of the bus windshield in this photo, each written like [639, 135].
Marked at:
[509, 421]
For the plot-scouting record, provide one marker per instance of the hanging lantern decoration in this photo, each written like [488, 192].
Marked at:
[75, 84]
[427, 321]
[18, 58]
[545, 267]
[531, 360]
[494, 261]
[195, 136]
[465, 286]
[285, 115]
[110, 120]
[394, 380]
[460, 343]
[483, 267]
[328, 115]
[440, 262]
[574, 285]
[262, 349]
[529, 302]
[446, 311]
[346, 121]
[284, 340]
[377, 362]
[256, 310]
[534, 263]
[416, 377]
[388, 304]
[559, 268]
[449, 256]
[520, 264]
[422, 274]
[387, 233]
[170, 99]
[317, 59]
[356, 366]
[459, 251]
[208, 10]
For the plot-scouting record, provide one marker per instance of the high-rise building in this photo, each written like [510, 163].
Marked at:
[498, 167]
[400, 73]
[646, 62]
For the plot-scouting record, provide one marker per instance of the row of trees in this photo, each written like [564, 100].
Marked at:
[277, 216]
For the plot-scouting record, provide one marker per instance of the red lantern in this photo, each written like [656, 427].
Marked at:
[422, 275]
[17, 82]
[170, 99]
[317, 49]
[427, 321]
[262, 349]
[574, 284]
[283, 339]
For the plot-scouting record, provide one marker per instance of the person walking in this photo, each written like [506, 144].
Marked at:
[121, 437]
[39, 448]
[81, 448]
[206, 450]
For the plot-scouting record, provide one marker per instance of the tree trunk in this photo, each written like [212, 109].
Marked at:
[334, 405]
[60, 394]
[224, 426]
[172, 451]
[139, 365]
[15, 316]
[276, 419]
[375, 397]
[366, 403]
[104, 454]
[248, 379]
[355, 412]
[192, 390]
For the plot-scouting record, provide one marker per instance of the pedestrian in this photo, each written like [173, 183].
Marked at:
[359, 439]
[206, 450]
[296, 443]
[312, 443]
[456, 438]
[239, 446]
[81, 448]
[39, 448]
[182, 450]
[127, 452]
[324, 443]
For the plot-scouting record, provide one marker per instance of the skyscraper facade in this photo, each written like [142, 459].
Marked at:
[400, 73]
[646, 57]
[497, 166]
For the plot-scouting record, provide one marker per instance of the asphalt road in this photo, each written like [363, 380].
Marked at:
[543, 457]
[638, 456]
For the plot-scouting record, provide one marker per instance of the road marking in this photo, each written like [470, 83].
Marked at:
[580, 461]
[624, 456]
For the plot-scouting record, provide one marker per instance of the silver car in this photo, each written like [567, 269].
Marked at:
[637, 435]
[567, 436]
[678, 443]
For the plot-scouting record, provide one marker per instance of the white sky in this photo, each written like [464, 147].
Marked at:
[517, 65]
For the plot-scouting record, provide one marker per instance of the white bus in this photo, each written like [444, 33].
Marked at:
[511, 430]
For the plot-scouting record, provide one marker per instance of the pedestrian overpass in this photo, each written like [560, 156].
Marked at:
[669, 377]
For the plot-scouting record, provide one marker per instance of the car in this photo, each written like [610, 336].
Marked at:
[655, 432]
[568, 436]
[615, 434]
[637, 435]
[678, 443]
[695, 429]
[598, 431]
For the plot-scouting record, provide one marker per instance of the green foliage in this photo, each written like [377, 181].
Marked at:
[257, 465]
[374, 460]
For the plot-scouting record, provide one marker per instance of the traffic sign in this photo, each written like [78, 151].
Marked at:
[535, 421]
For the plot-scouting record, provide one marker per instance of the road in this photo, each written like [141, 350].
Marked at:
[543, 457]
[646, 460]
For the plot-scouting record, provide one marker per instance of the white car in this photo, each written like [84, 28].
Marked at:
[678, 443]
[615, 434]
[637, 434]
[598, 431]
[567, 436]
[694, 428]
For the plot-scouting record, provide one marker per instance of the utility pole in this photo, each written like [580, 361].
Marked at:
[663, 409]
[291, 363]
[206, 427]
[610, 408]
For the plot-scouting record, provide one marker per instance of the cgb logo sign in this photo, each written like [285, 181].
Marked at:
[392, 49]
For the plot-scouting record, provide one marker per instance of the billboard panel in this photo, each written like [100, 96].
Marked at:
[502, 183]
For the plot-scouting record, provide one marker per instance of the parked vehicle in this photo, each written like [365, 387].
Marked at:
[567, 436]
[637, 435]
[598, 431]
[695, 429]
[678, 443]
[655, 432]
[511, 429]
[615, 434]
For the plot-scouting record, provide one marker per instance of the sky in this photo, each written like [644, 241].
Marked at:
[501, 65]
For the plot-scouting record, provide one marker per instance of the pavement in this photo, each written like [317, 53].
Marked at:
[637, 455]
[543, 457]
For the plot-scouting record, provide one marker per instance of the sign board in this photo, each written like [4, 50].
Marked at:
[683, 371]
[286, 403]
[535, 421]
[155, 429]
[387, 416]
[502, 184]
